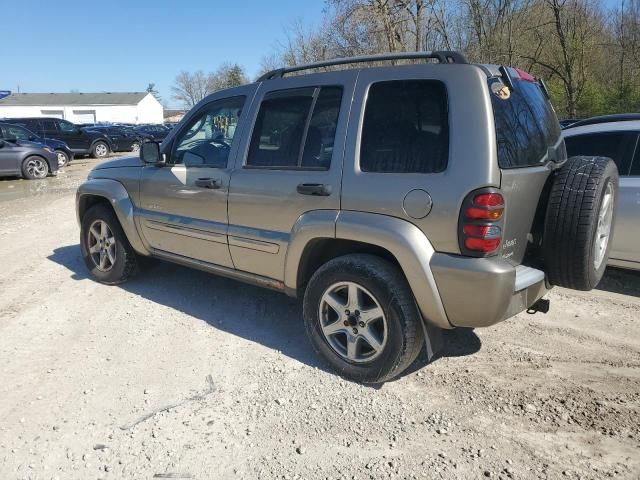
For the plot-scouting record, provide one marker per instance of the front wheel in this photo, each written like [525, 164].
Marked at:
[100, 150]
[361, 318]
[34, 168]
[105, 248]
[63, 158]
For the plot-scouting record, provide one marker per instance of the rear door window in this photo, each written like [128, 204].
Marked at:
[618, 146]
[405, 128]
[295, 129]
[526, 125]
[49, 126]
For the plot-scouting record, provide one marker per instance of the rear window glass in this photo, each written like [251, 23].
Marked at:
[405, 128]
[526, 125]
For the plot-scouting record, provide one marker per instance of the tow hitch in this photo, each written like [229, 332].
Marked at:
[541, 306]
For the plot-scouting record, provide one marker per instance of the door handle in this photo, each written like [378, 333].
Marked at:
[318, 189]
[211, 183]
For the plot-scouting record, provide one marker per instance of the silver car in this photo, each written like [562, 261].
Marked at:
[616, 137]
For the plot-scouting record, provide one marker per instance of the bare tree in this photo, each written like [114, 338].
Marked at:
[190, 88]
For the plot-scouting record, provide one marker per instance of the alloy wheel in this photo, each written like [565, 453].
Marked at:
[353, 322]
[101, 150]
[101, 244]
[37, 168]
[603, 230]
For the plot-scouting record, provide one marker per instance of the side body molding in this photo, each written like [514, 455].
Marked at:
[115, 193]
[409, 246]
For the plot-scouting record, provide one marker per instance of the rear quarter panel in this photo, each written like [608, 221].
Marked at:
[472, 153]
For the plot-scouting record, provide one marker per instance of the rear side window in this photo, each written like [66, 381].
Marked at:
[616, 145]
[296, 129]
[405, 128]
[526, 125]
[66, 127]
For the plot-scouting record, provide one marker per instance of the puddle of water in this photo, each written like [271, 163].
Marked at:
[66, 182]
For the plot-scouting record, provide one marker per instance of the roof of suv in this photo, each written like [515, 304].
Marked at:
[620, 117]
[604, 126]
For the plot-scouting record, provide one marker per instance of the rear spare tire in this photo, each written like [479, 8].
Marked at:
[579, 222]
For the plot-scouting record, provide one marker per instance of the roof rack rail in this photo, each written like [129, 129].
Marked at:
[443, 56]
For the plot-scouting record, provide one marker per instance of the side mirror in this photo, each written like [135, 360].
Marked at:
[150, 153]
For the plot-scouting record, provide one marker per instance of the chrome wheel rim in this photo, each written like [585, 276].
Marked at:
[603, 230]
[37, 168]
[101, 150]
[62, 159]
[101, 245]
[135, 147]
[353, 322]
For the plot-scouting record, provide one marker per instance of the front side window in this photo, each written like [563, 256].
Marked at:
[295, 129]
[615, 145]
[405, 128]
[206, 140]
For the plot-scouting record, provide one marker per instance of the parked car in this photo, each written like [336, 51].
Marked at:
[122, 139]
[616, 137]
[80, 141]
[64, 153]
[396, 201]
[156, 132]
[29, 160]
[568, 121]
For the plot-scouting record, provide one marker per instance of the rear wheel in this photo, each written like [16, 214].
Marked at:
[362, 319]
[135, 147]
[63, 158]
[100, 150]
[579, 222]
[34, 168]
[105, 248]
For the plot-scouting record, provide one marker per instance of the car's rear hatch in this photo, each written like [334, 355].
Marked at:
[529, 146]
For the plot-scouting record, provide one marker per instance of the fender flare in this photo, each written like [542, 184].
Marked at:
[106, 141]
[406, 242]
[118, 197]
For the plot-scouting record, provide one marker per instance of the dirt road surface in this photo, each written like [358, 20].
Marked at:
[180, 374]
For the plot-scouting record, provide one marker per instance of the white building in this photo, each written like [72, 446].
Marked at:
[124, 107]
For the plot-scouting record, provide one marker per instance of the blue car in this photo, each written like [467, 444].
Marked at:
[62, 151]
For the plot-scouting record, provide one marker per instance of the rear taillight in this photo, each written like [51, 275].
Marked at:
[481, 220]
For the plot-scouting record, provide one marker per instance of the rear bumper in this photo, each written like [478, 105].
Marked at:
[478, 292]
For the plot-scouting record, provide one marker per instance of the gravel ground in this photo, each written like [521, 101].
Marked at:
[180, 374]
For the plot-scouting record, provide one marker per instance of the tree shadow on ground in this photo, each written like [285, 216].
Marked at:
[618, 280]
[263, 316]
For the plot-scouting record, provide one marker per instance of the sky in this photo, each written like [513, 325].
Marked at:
[123, 45]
